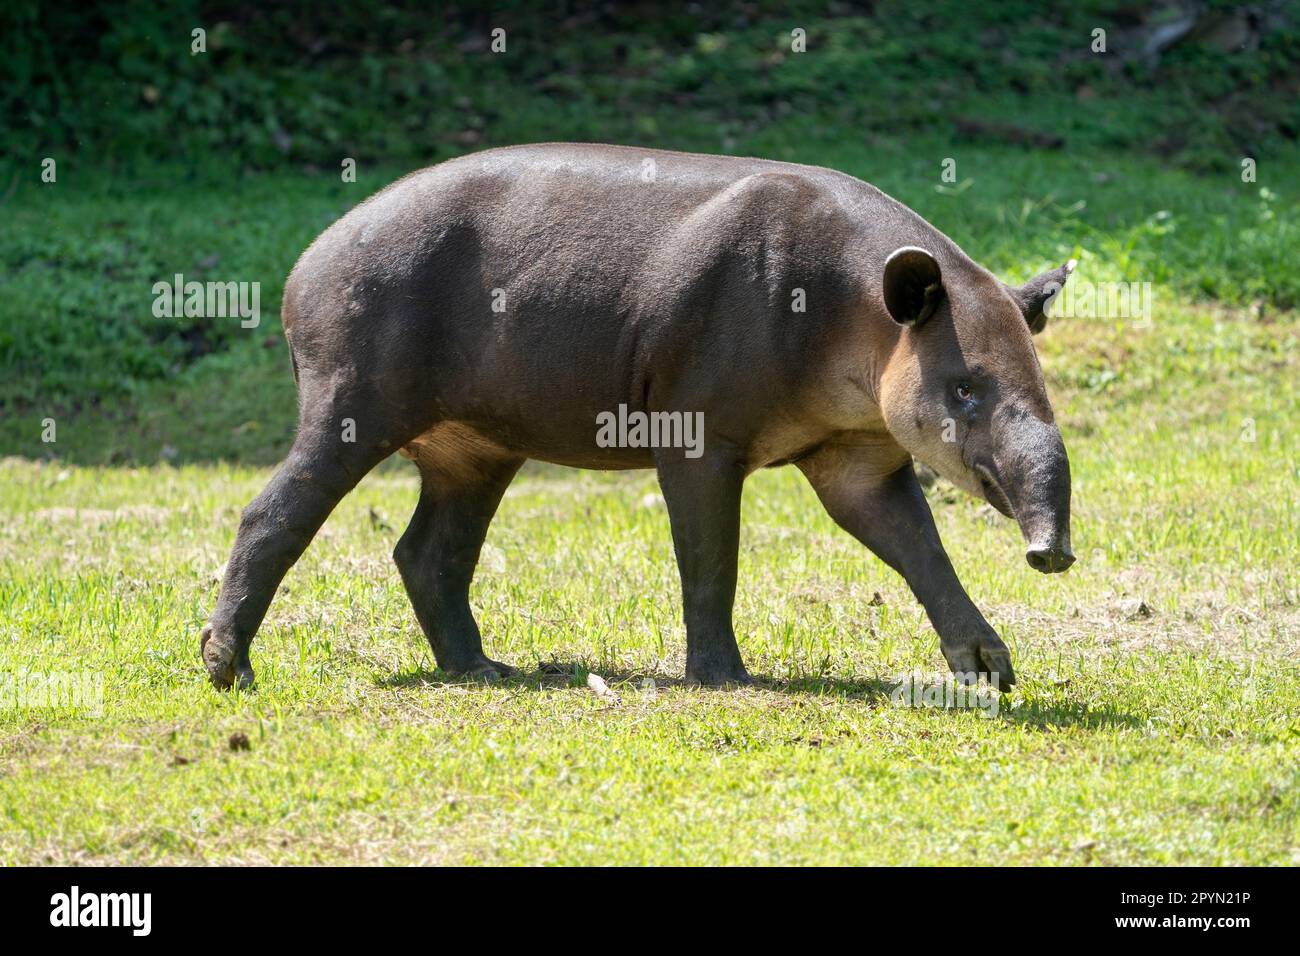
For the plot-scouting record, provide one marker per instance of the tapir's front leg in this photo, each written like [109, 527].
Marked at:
[889, 514]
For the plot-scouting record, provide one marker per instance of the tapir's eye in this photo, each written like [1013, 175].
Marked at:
[963, 392]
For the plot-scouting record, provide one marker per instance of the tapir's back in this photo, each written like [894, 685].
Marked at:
[587, 218]
[557, 263]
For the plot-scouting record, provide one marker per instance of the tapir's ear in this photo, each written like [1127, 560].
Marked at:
[1035, 296]
[912, 286]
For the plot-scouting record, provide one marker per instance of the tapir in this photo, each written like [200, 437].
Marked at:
[495, 307]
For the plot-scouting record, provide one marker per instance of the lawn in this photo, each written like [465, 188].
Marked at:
[1158, 715]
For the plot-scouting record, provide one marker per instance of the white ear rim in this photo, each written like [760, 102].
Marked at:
[1047, 303]
[903, 250]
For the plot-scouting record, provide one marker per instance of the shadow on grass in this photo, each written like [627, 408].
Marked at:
[1041, 715]
[556, 675]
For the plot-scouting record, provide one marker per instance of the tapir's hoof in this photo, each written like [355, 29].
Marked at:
[226, 666]
[997, 668]
[483, 669]
[987, 658]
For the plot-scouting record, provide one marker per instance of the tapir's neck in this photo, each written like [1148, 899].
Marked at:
[856, 356]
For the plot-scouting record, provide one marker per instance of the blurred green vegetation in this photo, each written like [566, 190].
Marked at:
[307, 83]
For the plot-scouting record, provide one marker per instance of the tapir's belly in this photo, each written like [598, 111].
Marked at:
[459, 441]
[451, 441]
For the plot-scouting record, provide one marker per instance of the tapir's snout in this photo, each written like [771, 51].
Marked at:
[1051, 557]
[1036, 473]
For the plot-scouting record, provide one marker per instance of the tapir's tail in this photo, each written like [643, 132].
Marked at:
[293, 359]
[286, 323]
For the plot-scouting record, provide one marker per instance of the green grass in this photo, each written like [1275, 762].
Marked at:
[1171, 738]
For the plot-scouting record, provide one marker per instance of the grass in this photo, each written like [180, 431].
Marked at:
[1168, 738]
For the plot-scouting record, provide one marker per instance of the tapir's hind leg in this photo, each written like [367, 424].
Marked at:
[343, 432]
[462, 481]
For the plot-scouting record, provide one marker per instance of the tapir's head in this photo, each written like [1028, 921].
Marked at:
[963, 392]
